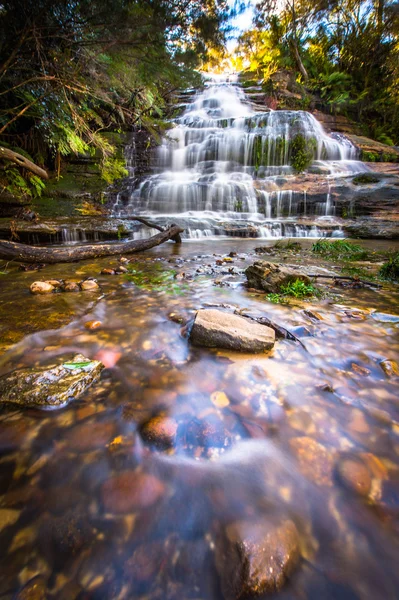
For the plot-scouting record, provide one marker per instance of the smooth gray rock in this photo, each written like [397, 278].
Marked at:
[264, 275]
[48, 386]
[218, 329]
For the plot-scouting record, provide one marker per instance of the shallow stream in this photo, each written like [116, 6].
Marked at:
[92, 510]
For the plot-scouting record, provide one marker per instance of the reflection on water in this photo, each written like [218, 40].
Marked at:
[132, 491]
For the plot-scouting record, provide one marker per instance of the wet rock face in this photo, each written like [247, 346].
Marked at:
[160, 431]
[264, 275]
[51, 385]
[255, 558]
[217, 329]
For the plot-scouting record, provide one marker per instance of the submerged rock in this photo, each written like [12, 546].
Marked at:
[217, 329]
[90, 285]
[49, 385]
[254, 558]
[130, 491]
[41, 287]
[160, 431]
[270, 277]
[354, 475]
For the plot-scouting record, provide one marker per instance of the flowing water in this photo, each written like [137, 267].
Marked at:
[90, 509]
[224, 169]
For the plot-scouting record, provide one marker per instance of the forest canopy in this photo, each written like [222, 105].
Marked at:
[346, 52]
[74, 69]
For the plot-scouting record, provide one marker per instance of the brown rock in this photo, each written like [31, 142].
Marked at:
[270, 277]
[71, 286]
[217, 329]
[354, 475]
[54, 282]
[108, 272]
[41, 287]
[89, 285]
[390, 368]
[131, 491]
[314, 460]
[254, 559]
[160, 431]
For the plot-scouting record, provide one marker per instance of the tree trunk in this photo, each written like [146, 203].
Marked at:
[35, 254]
[23, 162]
[298, 60]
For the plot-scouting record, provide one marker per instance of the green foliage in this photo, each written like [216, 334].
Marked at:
[339, 249]
[299, 289]
[390, 269]
[364, 179]
[72, 71]
[275, 298]
[303, 151]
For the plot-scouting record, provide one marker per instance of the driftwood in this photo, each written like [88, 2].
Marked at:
[35, 254]
[176, 239]
[23, 162]
[354, 279]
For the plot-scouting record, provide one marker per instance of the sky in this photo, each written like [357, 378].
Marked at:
[242, 22]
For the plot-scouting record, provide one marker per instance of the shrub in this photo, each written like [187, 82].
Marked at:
[299, 289]
[303, 151]
[390, 269]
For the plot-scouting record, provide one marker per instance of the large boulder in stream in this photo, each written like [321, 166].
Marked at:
[264, 275]
[255, 558]
[218, 329]
[51, 385]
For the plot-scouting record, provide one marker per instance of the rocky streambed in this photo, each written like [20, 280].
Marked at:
[192, 472]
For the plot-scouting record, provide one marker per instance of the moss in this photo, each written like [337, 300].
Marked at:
[303, 151]
[364, 179]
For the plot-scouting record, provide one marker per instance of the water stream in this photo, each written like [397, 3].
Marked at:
[224, 169]
[92, 510]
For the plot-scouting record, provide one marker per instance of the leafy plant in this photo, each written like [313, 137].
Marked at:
[390, 269]
[156, 280]
[299, 289]
[303, 151]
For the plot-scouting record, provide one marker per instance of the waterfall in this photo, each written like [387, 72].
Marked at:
[222, 163]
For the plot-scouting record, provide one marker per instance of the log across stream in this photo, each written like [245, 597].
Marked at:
[34, 254]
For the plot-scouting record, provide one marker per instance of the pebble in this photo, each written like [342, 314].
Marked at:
[160, 431]
[92, 324]
[71, 286]
[219, 399]
[131, 491]
[354, 475]
[314, 460]
[89, 285]
[108, 272]
[41, 287]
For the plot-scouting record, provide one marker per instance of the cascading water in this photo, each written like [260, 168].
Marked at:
[225, 170]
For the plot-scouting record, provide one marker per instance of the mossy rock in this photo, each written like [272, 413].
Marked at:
[365, 179]
[50, 385]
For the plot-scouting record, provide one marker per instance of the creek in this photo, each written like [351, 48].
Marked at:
[132, 490]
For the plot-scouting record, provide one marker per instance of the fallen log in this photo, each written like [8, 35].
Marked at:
[39, 254]
[22, 162]
[176, 239]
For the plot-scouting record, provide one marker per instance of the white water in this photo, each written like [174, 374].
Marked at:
[223, 163]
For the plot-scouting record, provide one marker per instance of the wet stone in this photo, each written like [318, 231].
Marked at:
[131, 491]
[254, 559]
[41, 287]
[160, 431]
[142, 567]
[90, 435]
[51, 385]
[354, 475]
[267, 276]
[207, 432]
[390, 368]
[314, 460]
[89, 286]
[71, 286]
[92, 325]
[218, 329]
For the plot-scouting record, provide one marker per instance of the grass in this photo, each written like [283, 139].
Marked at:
[339, 249]
[390, 269]
[294, 289]
[358, 273]
[288, 245]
